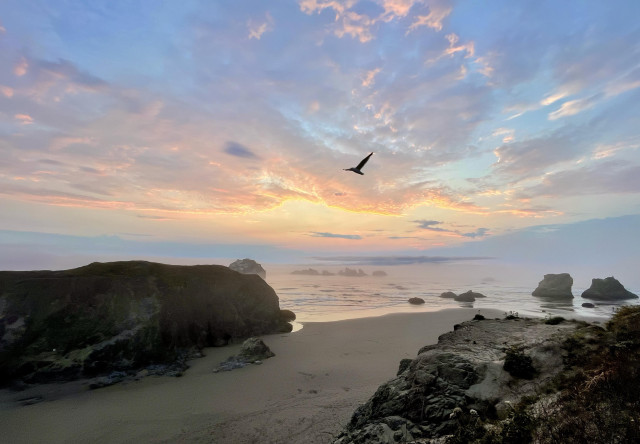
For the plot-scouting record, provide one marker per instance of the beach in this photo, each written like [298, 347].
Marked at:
[305, 394]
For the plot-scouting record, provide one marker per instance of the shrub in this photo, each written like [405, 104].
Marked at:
[554, 320]
[518, 364]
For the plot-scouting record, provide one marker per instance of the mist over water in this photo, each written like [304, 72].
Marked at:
[507, 287]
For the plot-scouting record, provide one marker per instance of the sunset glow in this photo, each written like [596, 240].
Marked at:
[226, 122]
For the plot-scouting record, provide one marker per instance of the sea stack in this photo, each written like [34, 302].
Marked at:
[555, 286]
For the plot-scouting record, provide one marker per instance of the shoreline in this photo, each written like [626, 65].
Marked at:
[306, 393]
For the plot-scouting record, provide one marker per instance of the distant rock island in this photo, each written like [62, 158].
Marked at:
[346, 272]
[248, 266]
[121, 316]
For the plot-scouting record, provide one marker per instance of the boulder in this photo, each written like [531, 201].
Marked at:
[469, 296]
[555, 286]
[448, 295]
[252, 351]
[248, 266]
[607, 289]
[416, 301]
[379, 273]
[588, 305]
[123, 316]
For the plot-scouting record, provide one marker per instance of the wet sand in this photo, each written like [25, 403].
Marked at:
[305, 394]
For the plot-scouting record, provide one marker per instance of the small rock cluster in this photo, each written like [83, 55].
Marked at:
[253, 351]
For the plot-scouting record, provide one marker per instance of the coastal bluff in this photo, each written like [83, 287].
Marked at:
[122, 316]
[502, 380]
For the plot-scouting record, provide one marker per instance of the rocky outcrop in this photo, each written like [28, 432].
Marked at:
[379, 273]
[248, 266]
[416, 301]
[607, 289]
[469, 296]
[448, 295]
[122, 316]
[253, 351]
[351, 272]
[555, 286]
[463, 374]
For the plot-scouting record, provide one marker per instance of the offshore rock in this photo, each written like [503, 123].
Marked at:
[469, 296]
[248, 266]
[555, 286]
[421, 402]
[607, 289]
[448, 295]
[416, 301]
[122, 316]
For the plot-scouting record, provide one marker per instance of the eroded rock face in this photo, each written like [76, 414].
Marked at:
[120, 316]
[465, 371]
[607, 289]
[248, 266]
[555, 286]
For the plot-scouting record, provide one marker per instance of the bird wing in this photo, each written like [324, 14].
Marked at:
[361, 164]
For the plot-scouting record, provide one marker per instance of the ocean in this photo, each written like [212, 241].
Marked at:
[321, 298]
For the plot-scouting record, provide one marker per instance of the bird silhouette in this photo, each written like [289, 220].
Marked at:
[360, 165]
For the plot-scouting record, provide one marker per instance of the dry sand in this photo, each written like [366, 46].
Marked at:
[305, 394]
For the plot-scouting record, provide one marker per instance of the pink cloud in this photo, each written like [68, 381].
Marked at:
[21, 67]
[24, 119]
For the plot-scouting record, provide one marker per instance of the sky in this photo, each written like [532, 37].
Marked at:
[221, 129]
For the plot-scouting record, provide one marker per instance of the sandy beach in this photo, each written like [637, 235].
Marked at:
[305, 394]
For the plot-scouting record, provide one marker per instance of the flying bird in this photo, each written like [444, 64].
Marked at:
[360, 165]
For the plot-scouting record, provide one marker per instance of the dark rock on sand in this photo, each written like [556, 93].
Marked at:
[608, 289]
[469, 296]
[556, 286]
[121, 316]
[248, 266]
[448, 295]
[416, 301]
[253, 351]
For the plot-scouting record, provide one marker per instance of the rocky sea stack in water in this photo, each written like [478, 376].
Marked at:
[607, 289]
[555, 286]
[119, 316]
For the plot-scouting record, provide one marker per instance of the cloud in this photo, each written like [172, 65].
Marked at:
[6, 91]
[338, 236]
[238, 150]
[430, 225]
[530, 158]
[573, 107]
[369, 78]
[21, 67]
[603, 177]
[24, 119]
[256, 30]
[437, 13]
